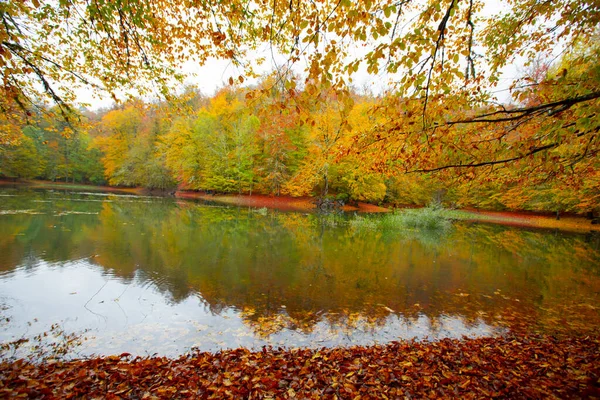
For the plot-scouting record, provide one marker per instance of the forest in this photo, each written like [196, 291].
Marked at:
[436, 133]
[248, 140]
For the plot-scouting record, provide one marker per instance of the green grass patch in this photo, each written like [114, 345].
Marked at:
[428, 218]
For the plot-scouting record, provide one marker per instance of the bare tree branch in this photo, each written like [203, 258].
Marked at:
[514, 114]
[438, 44]
[532, 151]
[484, 163]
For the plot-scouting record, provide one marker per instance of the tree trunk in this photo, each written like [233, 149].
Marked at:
[326, 187]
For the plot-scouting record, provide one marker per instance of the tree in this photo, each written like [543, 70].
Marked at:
[21, 161]
[282, 136]
[49, 48]
[130, 139]
[119, 129]
[215, 149]
[443, 60]
[227, 132]
[327, 119]
[182, 155]
[431, 45]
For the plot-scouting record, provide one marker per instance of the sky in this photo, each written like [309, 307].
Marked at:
[214, 74]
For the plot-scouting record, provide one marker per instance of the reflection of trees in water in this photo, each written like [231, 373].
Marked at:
[592, 239]
[288, 270]
[45, 234]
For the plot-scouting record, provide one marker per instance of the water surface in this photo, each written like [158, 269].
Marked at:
[148, 275]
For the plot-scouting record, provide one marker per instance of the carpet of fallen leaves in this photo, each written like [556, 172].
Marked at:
[516, 366]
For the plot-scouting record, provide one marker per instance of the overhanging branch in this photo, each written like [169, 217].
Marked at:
[532, 151]
[488, 163]
[506, 115]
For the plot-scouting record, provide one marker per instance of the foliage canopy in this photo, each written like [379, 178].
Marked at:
[443, 60]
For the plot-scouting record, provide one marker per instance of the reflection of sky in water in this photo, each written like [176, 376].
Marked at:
[135, 317]
[153, 275]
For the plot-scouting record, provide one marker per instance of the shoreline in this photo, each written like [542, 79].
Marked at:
[282, 203]
[522, 219]
[516, 365]
[37, 184]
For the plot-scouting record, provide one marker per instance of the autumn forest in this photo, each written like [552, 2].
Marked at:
[434, 135]
[293, 144]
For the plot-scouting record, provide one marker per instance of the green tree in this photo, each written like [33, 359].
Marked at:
[228, 134]
[21, 161]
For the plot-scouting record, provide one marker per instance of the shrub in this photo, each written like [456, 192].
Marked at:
[431, 218]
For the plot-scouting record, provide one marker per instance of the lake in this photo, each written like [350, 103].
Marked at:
[107, 273]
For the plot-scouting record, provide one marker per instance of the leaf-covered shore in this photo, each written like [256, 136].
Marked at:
[515, 366]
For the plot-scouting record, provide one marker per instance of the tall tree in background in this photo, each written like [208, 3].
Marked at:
[217, 151]
[21, 161]
[129, 138]
[51, 150]
[282, 134]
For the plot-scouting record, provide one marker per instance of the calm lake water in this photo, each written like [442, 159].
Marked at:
[148, 275]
